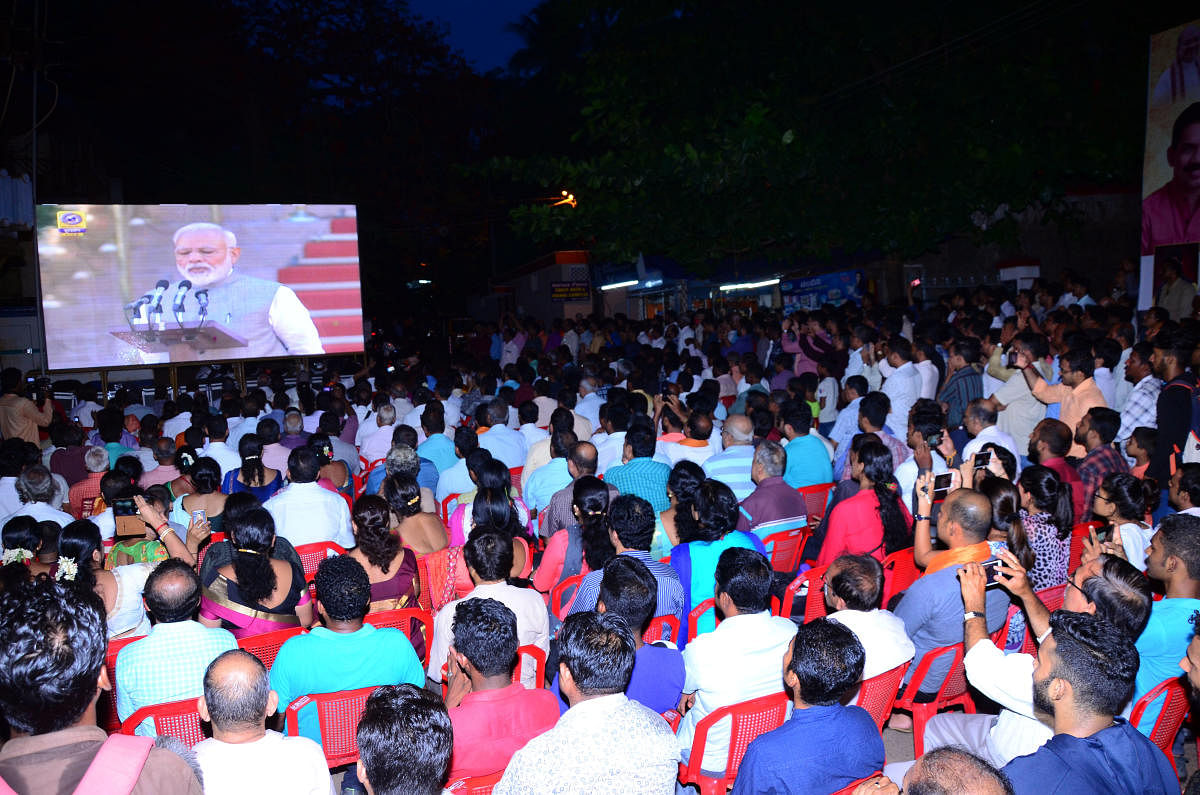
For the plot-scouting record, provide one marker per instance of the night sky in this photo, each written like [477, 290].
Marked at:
[477, 27]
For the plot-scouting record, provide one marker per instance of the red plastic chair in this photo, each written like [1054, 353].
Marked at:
[514, 476]
[214, 538]
[179, 719]
[662, 628]
[337, 714]
[527, 566]
[402, 618]
[266, 645]
[1078, 533]
[814, 602]
[1053, 599]
[748, 720]
[1170, 719]
[877, 694]
[697, 612]
[476, 785]
[311, 556]
[1000, 636]
[785, 545]
[563, 595]
[672, 718]
[899, 572]
[106, 707]
[445, 507]
[953, 692]
[853, 785]
[538, 656]
[816, 498]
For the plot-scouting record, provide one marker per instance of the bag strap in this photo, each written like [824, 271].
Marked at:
[117, 766]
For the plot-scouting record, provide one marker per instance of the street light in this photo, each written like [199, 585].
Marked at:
[567, 198]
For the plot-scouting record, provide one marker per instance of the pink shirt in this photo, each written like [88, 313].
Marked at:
[856, 529]
[1165, 219]
[492, 725]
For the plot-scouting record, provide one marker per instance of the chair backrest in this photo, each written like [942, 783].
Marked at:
[814, 602]
[698, 611]
[311, 556]
[106, 707]
[816, 498]
[514, 476]
[955, 683]
[899, 572]
[445, 507]
[877, 694]
[177, 719]
[662, 628]
[266, 645]
[526, 653]
[1078, 533]
[476, 785]
[337, 715]
[748, 720]
[563, 594]
[1170, 718]
[784, 541]
[402, 618]
[527, 566]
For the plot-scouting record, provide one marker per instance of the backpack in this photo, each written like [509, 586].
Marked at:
[114, 770]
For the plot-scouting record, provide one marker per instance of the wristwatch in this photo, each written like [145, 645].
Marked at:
[967, 616]
[917, 517]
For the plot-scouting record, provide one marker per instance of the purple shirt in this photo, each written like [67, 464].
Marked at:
[771, 501]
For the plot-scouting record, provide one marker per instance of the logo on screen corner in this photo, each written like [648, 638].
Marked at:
[71, 222]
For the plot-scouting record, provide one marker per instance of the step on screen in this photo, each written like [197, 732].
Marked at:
[133, 285]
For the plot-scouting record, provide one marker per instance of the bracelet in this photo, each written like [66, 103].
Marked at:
[159, 529]
[917, 517]
[967, 616]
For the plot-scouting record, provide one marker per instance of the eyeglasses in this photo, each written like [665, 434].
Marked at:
[1071, 582]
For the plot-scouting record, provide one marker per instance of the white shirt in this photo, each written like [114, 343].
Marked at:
[1105, 383]
[929, 378]
[41, 512]
[1007, 680]
[1022, 411]
[906, 475]
[882, 636]
[293, 325]
[610, 452]
[306, 513]
[227, 459]
[177, 424]
[741, 659]
[671, 453]
[588, 407]
[452, 414]
[828, 389]
[377, 444]
[272, 763]
[533, 433]
[1135, 539]
[533, 625]
[413, 418]
[505, 445]
[1123, 386]
[146, 456]
[992, 435]
[107, 524]
[10, 501]
[902, 387]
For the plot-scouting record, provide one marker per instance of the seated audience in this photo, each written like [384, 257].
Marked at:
[808, 461]
[1124, 502]
[733, 465]
[253, 475]
[605, 743]
[853, 589]
[874, 521]
[404, 740]
[492, 716]
[772, 499]
[243, 754]
[206, 496]
[582, 547]
[944, 770]
[305, 513]
[685, 479]
[639, 473]
[824, 744]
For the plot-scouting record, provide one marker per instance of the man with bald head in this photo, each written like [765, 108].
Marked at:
[167, 664]
[695, 446]
[732, 466]
[242, 755]
[581, 460]
[932, 607]
[944, 770]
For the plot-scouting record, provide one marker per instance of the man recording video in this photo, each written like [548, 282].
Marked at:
[268, 315]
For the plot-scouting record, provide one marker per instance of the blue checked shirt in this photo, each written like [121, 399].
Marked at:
[670, 588]
[643, 477]
[167, 665]
[1141, 408]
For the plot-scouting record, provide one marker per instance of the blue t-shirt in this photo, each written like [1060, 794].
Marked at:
[1161, 646]
[1116, 759]
[439, 450]
[819, 750]
[657, 680]
[807, 462]
[325, 662]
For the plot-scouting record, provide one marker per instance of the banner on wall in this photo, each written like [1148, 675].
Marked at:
[811, 292]
[1171, 162]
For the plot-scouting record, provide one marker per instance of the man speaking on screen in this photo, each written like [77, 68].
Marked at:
[268, 315]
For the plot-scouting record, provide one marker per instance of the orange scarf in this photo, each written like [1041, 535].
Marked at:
[975, 553]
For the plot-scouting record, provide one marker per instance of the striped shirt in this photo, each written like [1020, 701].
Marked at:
[732, 467]
[670, 587]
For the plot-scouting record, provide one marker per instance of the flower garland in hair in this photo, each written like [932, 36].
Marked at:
[67, 569]
[16, 556]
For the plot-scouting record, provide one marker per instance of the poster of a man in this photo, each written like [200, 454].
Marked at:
[1180, 81]
[1169, 214]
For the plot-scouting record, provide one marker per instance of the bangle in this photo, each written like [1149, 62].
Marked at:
[159, 529]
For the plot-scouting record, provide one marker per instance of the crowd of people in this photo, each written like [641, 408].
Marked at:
[552, 490]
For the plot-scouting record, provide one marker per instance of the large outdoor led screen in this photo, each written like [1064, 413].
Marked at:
[130, 285]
